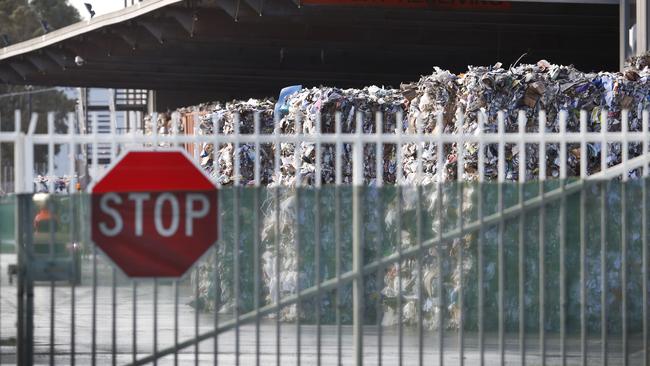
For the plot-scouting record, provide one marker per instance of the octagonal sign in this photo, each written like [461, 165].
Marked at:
[154, 213]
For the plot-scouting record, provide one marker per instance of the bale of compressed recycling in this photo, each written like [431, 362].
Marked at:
[530, 88]
[215, 275]
[307, 110]
[220, 163]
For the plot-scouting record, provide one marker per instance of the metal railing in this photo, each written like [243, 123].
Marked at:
[399, 271]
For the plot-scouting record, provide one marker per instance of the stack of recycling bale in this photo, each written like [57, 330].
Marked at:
[307, 109]
[530, 88]
[219, 163]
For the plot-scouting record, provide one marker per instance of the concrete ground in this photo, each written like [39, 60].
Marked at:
[121, 325]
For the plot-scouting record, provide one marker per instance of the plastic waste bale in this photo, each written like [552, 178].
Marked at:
[552, 88]
[529, 88]
[308, 109]
[215, 274]
[220, 163]
[488, 90]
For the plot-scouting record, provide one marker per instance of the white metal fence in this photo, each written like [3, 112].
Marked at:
[617, 149]
[374, 242]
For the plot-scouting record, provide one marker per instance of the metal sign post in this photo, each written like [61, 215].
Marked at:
[25, 285]
[25, 282]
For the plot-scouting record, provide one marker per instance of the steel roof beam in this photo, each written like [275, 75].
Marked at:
[9, 75]
[22, 68]
[58, 56]
[185, 19]
[43, 63]
[154, 29]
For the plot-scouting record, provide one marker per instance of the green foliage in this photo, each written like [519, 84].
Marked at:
[58, 13]
[19, 20]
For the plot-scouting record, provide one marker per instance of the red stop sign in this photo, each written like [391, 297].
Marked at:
[154, 213]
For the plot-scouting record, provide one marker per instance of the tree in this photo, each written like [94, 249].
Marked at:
[20, 20]
[58, 13]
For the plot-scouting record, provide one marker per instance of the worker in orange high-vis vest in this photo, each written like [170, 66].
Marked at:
[43, 219]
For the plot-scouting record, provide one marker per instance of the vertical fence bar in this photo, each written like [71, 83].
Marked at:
[337, 232]
[400, 195]
[154, 130]
[297, 159]
[278, 263]
[73, 231]
[155, 318]
[175, 131]
[624, 153]
[479, 246]
[195, 119]
[542, 239]
[521, 124]
[317, 232]
[400, 315]
[216, 279]
[134, 322]
[644, 241]
[114, 316]
[19, 187]
[1, 284]
[29, 281]
[51, 244]
[25, 291]
[460, 185]
[562, 228]
[440, 210]
[176, 119]
[196, 317]
[357, 243]
[217, 291]
[95, 147]
[175, 284]
[501, 258]
[603, 243]
[52, 287]
[29, 153]
[50, 152]
[94, 309]
[236, 239]
[113, 154]
[19, 155]
[583, 238]
[379, 130]
[418, 217]
[256, 238]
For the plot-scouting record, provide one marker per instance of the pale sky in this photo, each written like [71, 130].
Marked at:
[99, 6]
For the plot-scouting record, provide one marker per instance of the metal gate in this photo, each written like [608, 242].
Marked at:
[394, 262]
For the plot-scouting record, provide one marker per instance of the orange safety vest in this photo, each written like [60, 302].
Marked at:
[43, 215]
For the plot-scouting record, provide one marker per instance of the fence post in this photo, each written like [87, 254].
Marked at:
[25, 289]
[357, 244]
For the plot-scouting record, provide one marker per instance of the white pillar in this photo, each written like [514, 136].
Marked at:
[641, 26]
[624, 26]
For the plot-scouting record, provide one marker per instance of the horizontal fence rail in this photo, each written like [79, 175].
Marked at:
[351, 240]
[407, 152]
